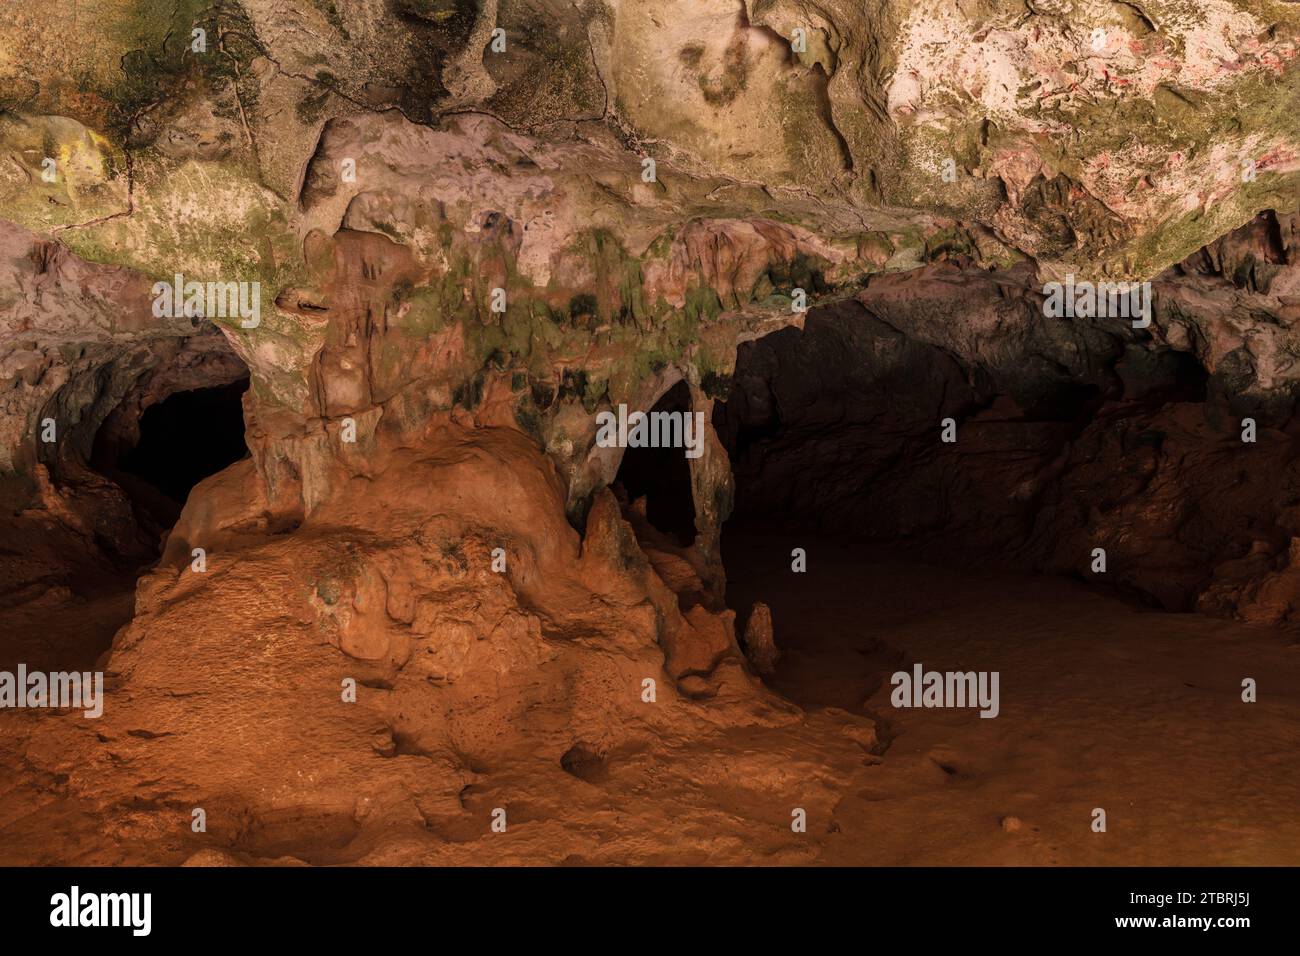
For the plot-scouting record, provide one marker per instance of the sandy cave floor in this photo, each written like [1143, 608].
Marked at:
[1102, 705]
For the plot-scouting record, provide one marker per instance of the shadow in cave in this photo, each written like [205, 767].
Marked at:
[178, 442]
[662, 477]
[835, 438]
[156, 458]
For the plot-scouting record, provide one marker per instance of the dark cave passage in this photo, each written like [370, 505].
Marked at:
[662, 476]
[151, 425]
[889, 458]
[177, 423]
[182, 439]
[187, 437]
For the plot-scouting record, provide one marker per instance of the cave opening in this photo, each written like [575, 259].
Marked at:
[659, 479]
[165, 417]
[140, 427]
[187, 437]
[173, 445]
[958, 498]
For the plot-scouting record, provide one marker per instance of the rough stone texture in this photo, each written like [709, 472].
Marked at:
[819, 170]
[760, 643]
[1072, 434]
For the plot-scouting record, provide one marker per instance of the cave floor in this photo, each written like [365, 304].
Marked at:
[1103, 704]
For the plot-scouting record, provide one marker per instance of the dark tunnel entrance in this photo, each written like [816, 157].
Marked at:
[662, 476]
[172, 446]
[187, 437]
[923, 481]
[163, 419]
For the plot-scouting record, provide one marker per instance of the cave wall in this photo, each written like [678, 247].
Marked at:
[651, 186]
[1070, 435]
[381, 171]
[85, 357]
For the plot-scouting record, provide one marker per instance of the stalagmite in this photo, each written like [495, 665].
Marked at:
[760, 642]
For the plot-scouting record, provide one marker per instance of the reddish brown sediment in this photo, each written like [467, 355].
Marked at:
[360, 571]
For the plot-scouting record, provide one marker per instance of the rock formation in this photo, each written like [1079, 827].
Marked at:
[436, 239]
[760, 643]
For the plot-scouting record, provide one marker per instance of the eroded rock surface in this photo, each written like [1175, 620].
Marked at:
[464, 252]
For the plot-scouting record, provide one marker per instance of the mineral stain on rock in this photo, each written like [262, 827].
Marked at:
[366, 587]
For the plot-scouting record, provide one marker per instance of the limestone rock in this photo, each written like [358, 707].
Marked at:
[760, 642]
[420, 588]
